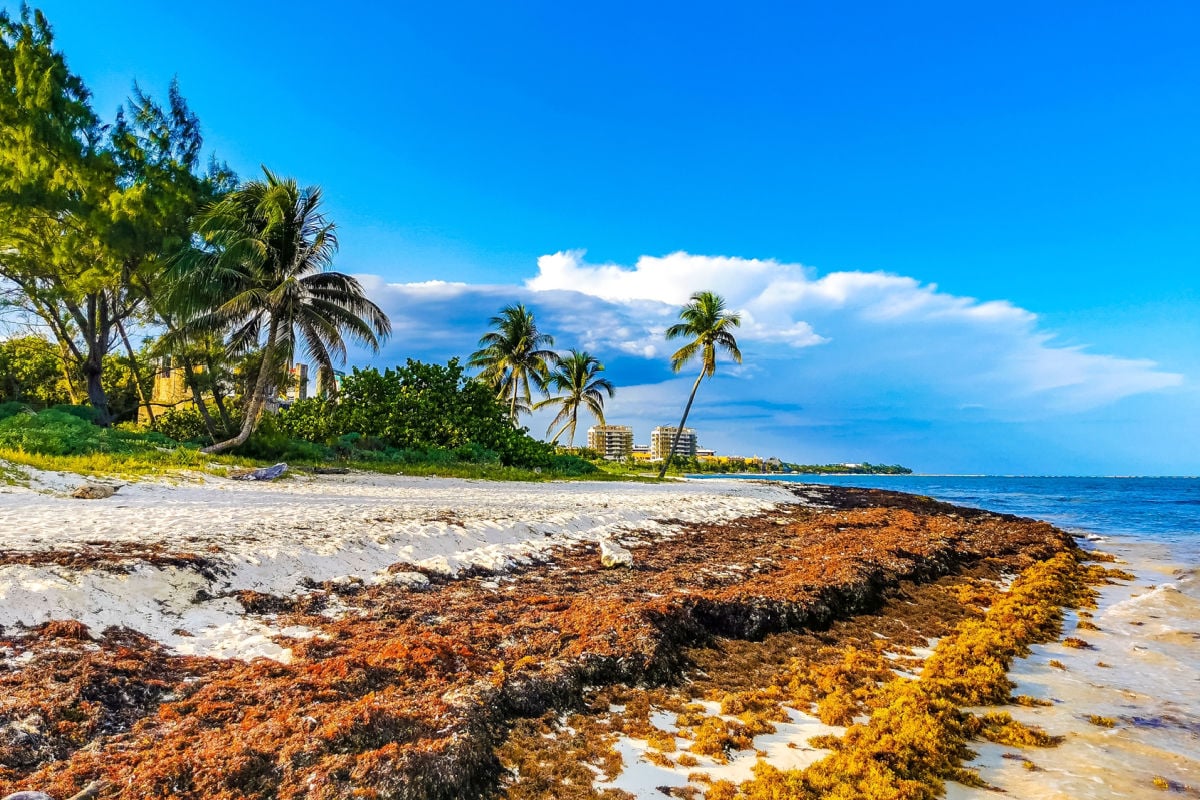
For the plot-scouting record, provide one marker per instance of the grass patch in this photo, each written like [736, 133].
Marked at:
[148, 463]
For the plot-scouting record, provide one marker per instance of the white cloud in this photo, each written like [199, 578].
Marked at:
[899, 329]
[835, 364]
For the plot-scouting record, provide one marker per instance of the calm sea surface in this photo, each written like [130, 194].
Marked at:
[1142, 670]
[1165, 511]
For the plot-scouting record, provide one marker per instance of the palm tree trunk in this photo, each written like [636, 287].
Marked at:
[258, 398]
[568, 424]
[679, 431]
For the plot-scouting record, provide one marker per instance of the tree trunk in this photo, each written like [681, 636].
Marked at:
[92, 370]
[189, 377]
[68, 379]
[679, 431]
[258, 399]
[570, 423]
[512, 411]
[137, 375]
[219, 399]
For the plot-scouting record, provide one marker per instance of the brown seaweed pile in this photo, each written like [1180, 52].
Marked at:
[409, 693]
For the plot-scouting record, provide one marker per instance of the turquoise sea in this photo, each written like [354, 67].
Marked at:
[1163, 511]
[1142, 669]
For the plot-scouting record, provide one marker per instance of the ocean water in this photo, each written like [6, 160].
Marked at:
[1141, 671]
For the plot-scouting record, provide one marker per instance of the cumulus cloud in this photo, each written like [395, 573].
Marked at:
[845, 356]
[894, 327]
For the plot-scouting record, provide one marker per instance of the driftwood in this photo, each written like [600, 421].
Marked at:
[264, 474]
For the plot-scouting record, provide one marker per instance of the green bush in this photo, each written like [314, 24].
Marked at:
[571, 466]
[474, 453]
[182, 424]
[270, 443]
[417, 407]
[12, 408]
[85, 413]
[298, 450]
[311, 420]
[57, 433]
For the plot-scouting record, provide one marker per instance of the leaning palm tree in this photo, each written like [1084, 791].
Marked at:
[515, 358]
[706, 322]
[577, 376]
[262, 276]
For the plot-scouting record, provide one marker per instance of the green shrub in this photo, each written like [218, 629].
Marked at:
[417, 407]
[85, 413]
[56, 433]
[12, 408]
[182, 424]
[298, 450]
[311, 420]
[571, 466]
[474, 453]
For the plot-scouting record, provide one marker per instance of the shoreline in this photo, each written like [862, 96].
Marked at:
[522, 639]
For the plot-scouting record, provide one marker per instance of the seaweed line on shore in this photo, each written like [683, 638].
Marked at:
[407, 694]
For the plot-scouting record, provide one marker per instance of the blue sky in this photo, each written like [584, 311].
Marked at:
[986, 216]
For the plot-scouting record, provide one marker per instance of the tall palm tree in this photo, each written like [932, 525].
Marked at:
[262, 275]
[577, 376]
[706, 322]
[515, 358]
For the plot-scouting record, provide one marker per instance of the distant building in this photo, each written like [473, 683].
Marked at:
[703, 452]
[612, 441]
[170, 389]
[662, 437]
[297, 388]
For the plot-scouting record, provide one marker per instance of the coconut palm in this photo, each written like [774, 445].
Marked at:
[515, 358]
[577, 376]
[262, 276]
[707, 324]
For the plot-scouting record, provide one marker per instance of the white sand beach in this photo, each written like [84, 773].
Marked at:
[280, 538]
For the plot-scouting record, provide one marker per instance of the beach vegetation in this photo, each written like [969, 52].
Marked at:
[89, 209]
[1101, 722]
[417, 416]
[515, 359]
[65, 439]
[34, 373]
[261, 273]
[577, 376]
[707, 326]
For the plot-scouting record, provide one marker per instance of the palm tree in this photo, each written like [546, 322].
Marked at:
[514, 358]
[262, 275]
[707, 324]
[577, 376]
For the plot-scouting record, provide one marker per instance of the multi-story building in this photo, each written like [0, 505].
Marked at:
[662, 437]
[611, 441]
